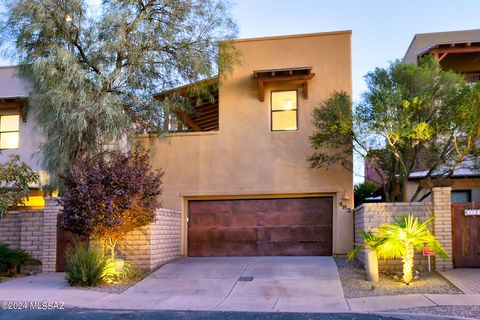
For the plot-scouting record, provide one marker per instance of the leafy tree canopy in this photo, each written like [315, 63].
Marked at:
[93, 73]
[15, 177]
[410, 117]
[107, 198]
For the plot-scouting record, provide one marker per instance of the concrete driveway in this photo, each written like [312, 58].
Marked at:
[301, 284]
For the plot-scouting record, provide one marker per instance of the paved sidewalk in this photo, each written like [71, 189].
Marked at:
[467, 280]
[276, 289]
[48, 287]
[384, 303]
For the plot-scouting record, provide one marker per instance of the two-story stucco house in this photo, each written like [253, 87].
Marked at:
[18, 127]
[237, 167]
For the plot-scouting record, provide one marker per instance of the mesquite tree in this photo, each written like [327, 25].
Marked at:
[412, 117]
[94, 69]
[107, 197]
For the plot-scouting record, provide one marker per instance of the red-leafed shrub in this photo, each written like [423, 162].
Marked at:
[107, 197]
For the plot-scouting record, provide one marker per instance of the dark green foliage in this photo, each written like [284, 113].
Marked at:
[94, 70]
[15, 177]
[364, 190]
[87, 265]
[12, 259]
[334, 142]
[410, 117]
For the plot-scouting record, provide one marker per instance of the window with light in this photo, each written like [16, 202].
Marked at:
[9, 131]
[284, 110]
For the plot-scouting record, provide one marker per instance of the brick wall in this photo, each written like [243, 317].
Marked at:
[34, 231]
[23, 229]
[369, 216]
[156, 244]
[441, 197]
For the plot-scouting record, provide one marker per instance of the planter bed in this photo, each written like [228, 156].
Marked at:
[354, 282]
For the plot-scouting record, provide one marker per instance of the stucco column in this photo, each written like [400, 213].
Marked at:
[49, 254]
[442, 224]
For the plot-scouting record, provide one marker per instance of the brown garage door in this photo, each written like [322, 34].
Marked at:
[260, 227]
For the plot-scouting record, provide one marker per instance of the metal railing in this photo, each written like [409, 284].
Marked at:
[472, 77]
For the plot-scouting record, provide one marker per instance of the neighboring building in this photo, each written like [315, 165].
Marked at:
[457, 51]
[18, 134]
[237, 167]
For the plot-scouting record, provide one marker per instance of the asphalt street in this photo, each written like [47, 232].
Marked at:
[185, 315]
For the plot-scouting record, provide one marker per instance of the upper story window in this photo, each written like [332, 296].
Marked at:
[9, 131]
[284, 110]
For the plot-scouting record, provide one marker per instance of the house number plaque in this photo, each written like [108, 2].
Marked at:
[472, 212]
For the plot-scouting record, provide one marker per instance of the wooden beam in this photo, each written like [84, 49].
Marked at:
[287, 78]
[454, 50]
[443, 55]
[261, 90]
[187, 120]
[305, 90]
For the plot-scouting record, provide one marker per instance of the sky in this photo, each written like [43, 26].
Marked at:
[381, 30]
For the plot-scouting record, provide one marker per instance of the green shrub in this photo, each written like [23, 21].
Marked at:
[87, 265]
[12, 259]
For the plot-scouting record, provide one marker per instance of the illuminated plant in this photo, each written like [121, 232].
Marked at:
[405, 236]
[106, 199]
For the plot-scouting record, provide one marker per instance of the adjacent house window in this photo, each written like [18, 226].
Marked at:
[461, 196]
[9, 131]
[284, 110]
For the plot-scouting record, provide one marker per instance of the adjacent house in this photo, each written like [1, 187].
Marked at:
[457, 51]
[18, 127]
[236, 166]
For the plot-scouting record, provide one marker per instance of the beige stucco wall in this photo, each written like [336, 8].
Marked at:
[245, 159]
[30, 139]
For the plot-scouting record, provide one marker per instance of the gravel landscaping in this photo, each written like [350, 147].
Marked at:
[472, 312]
[354, 282]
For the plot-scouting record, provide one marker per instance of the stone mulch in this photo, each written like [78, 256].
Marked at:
[472, 312]
[354, 282]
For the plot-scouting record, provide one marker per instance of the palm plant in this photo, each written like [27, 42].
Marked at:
[405, 236]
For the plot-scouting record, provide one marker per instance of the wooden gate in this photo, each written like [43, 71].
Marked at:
[466, 235]
[65, 241]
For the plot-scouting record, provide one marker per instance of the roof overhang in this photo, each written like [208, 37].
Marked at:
[264, 77]
[441, 50]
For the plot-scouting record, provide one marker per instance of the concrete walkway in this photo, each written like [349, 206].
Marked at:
[301, 284]
[467, 280]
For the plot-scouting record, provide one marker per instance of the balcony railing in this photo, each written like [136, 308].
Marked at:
[472, 77]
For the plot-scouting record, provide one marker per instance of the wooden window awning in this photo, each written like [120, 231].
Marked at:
[18, 103]
[441, 50]
[263, 77]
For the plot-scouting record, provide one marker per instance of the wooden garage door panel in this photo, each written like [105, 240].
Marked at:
[300, 226]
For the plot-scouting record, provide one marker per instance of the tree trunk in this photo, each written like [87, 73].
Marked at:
[408, 265]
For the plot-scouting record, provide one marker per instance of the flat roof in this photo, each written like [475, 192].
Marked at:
[11, 85]
[292, 36]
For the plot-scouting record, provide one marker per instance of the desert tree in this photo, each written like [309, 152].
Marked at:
[15, 178]
[410, 117]
[94, 68]
[106, 197]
